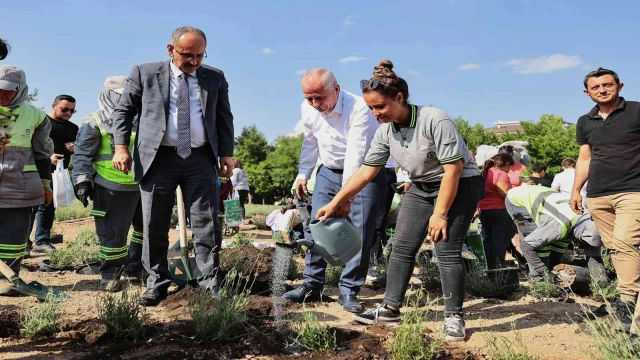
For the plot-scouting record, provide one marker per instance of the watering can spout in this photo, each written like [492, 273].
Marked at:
[305, 242]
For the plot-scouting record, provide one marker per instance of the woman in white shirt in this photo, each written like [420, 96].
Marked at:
[240, 183]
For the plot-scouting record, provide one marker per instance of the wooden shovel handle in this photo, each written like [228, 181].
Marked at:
[6, 271]
[182, 219]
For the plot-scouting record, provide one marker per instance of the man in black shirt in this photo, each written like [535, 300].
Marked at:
[63, 134]
[539, 170]
[609, 139]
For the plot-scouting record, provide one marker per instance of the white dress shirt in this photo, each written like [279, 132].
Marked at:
[340, 139]
[564, 181]
[198, 136]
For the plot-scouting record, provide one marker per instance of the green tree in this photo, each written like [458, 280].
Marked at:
[550, 141]
[475, 135]
[32, 97]
[276, 174]
[251, 147]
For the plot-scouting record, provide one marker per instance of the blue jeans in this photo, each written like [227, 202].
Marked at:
[43, 216]
[364, 210]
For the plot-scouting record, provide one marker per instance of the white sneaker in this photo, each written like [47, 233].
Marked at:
[453, 328]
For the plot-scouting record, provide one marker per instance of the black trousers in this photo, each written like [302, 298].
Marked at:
[411, 230]
[197, 177]
[380, 239]
[244, 198]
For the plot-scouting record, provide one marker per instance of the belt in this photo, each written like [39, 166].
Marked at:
[337, 171]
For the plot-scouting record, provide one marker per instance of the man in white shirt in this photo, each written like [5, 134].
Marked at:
[338, 128]
[563, 182]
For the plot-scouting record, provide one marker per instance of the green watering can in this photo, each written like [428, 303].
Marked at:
[337, 240]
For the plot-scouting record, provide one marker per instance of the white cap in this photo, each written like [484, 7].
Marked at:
[115, 83]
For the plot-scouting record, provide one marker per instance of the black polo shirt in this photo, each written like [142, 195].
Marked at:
[615, 149]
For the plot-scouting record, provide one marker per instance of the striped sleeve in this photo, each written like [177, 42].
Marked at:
[449, 143]
[378, 153]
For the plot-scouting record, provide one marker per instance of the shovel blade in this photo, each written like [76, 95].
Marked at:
[40, 291]
[180, 274]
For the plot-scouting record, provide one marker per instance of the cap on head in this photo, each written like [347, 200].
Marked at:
[115, 83]
[11, 77]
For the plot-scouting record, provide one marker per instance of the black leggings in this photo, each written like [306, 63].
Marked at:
[244, 198]
[497, 231]
[411, 230]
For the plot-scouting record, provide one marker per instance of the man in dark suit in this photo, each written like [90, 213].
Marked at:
[185, 126]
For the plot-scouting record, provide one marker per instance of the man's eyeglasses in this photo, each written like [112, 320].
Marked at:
[66, 110]
[373, 82]
[188, 56]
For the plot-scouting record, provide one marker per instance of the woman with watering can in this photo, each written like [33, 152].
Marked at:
[440, 201]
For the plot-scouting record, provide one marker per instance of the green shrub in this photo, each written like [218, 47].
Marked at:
[87, 237]
[429, 274]
[502, 348]
[222, 317]
[252, 209]
[260, 221]
[607, 261]
[122, 314]
[243, 239]
[607, 293]
[41, 320]
[75, 211]
[174, 217]
[411, 342]
[84, 250]
[480, 284]
[332, 275]
[294, 269]
[312, 335]
[543, 287]
[380, 273]
[608, 342]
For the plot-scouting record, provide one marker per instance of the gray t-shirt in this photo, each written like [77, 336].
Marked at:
[428, 140]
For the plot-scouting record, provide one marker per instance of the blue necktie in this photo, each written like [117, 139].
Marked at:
[184, 117]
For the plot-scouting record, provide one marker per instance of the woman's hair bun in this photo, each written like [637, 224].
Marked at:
[384, 69]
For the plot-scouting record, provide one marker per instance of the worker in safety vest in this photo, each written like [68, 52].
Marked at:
[116, 196]
[25, 168]
[546, 224]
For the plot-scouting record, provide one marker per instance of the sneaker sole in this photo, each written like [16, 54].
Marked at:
[454, 338]
[378, 321]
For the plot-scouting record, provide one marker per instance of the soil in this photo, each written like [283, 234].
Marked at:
[552, 330]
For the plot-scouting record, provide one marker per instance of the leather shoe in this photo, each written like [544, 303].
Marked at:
[350, 303]
[152, 297]
[301, 294]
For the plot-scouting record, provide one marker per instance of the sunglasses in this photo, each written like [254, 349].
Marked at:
[66, 110]
[374, 83]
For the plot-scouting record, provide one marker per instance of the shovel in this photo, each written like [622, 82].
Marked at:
[33, 288]
[183, 270]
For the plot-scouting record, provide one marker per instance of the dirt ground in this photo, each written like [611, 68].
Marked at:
[550, 330]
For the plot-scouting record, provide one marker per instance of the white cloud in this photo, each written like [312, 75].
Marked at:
[349, 19]
[297, 129]
[349, 59]
[414, 73]
[544, 64]
[469, 66]
[300, 72]
[267, 51]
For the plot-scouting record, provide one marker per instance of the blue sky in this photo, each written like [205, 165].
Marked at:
[484, 60]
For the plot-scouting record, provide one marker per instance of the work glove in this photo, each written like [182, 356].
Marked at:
[84, 191]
